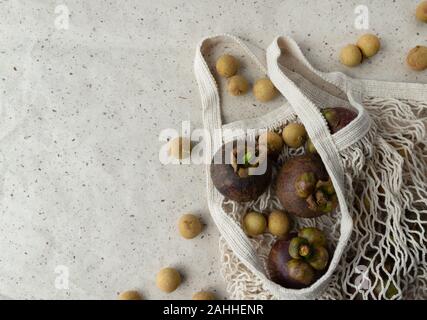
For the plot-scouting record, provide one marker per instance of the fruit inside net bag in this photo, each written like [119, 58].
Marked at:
[378, 163]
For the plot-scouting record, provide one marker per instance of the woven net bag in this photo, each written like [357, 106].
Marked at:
[378, 165]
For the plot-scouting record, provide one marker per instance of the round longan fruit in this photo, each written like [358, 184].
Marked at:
[179, 148]
[130, 295]
[168, 279]
[417, 58]
[264, 90]
[272, 140]
[227, 65]
[369, 44]
[237, 85]
[294, 135]
[204, 295]
[254, 223]
[421, 12]
[278, 223]
[189, 226]
[351, 55]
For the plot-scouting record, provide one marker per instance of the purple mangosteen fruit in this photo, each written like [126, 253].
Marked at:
[241, 171]
[299, 260]
[304, 188]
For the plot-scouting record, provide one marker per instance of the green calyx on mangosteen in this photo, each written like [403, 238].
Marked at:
[300, 271]
[321, 201]
[304, 187]
[298, 261]
[338, 118]
[313, 236]
[305, 184]
[319, 258]
[298, 248]
[241, 170]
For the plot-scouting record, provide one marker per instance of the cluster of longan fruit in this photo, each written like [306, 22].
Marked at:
[368, 45]
[227, 66]
[293, 135]
[256, 223]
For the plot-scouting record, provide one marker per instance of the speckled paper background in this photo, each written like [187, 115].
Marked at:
[81, 110]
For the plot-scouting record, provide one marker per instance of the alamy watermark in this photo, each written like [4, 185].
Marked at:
[62, 20]
[62, 280]
[362, 17]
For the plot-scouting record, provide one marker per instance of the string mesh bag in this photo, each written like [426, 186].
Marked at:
[377, 163]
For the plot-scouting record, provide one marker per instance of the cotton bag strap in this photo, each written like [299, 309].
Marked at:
[210, 99]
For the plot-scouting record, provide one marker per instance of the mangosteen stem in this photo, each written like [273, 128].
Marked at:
[304, 250]
[247, 158]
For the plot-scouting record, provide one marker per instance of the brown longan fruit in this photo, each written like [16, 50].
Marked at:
[204, 295]
[278, 223]
[369, 44]
[179, 148]
[130, 295]
[417, 58]
[189, 226]
[272, 140]
[294, 135]
[227, 65]
[168, 280]
[264, 90]
[351, 55]
[254, 223]
[237, 85]
[421, 12]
